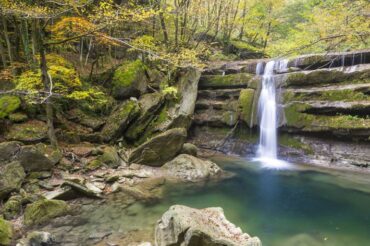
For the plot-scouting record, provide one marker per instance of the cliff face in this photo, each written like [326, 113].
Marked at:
[324, 105]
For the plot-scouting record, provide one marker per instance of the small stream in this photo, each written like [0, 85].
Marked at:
[300, 206]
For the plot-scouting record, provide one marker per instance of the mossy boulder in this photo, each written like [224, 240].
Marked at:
[246, 106]
[239, 80]
[39, 157]
[28, 132]
[159, 149]
[11, 178]
[44, 210]
[6, 232]
[110, 157]
[189, 149]
[8, 151]
[89, 120]
[8, 104]
[120, 119]
[12, 207]
[150, 104]
[129, 80]
[93, 165]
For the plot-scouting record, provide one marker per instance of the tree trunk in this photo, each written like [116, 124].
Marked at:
[6, 36]
[2, 54]
[45, 77]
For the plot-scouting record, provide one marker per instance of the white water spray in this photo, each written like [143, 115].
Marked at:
[268, 115]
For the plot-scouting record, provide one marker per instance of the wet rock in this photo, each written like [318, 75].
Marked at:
[11, 178]
[148, 190]
[189, 168]
[186, 226]
[248, 110]
[28, 132]
[189, 149]
[12, 207]
[37, 238]
[9, 150]
[6, 232]
[44, 210]
[120, 119]
[39, 157]
[159, 149]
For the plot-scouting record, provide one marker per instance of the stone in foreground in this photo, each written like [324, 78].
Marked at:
[186, 226]
[44, 210]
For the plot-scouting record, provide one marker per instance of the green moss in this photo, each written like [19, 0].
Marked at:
[246, 105]
[12, 207]
[332, 95]
[126, 74]
[44, 210]
[226, 81]
[93, 165]
[230, 118]
[29, 131]
[8, 104]
[6, 232]
[241, 45]
[291, 142]
[18, 117]
[316, 77]
[64, 76]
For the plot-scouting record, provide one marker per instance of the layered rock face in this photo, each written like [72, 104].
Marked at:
[186, 226]
[324, 104]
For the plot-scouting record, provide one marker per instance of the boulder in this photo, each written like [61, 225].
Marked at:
[39, 157]
[186, 226]
[80, 189]
[6, 232]
[129, 80]
[247, 107]
[44, 210]
[11, 178]
[37, 238]
[150, 104]
[189, 149]
[159, 149]
[187, 85]
[28, 132]
[120, 119]
[8, 150]
[78, 116]
[8, 104]
[12, 207]
[109, 157]
[189, 168]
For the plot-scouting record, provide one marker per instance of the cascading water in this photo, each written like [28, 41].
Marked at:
[268, 114]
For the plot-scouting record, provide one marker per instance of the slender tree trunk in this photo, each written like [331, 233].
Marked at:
[244, 14]
[6, 36]
[47, 82]
[2, 54]
[177, 24]
[267, 35]
[164, 28]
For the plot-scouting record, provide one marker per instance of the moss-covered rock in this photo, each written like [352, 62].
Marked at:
[44, 210]
[246, 99]
[150, 104]
[159, 149]
[85, 119]
[8, 151]
[129, 80]
[346, 95]
[93, 165]
[110, 157]
[11, 178]
[189, 149]
[39, 157]
[6, 232]
[30, 131]
[291, 142]
[239, 80]
[12, 207]
[8, 104]
[120, 119]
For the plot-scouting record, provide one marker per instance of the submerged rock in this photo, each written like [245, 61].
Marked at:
[186, 226]
[11, 178]
[6, 232]
[44, 210]
[189, 168]
[159, 149]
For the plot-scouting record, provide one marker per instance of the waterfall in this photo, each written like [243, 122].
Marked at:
[268, 114]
